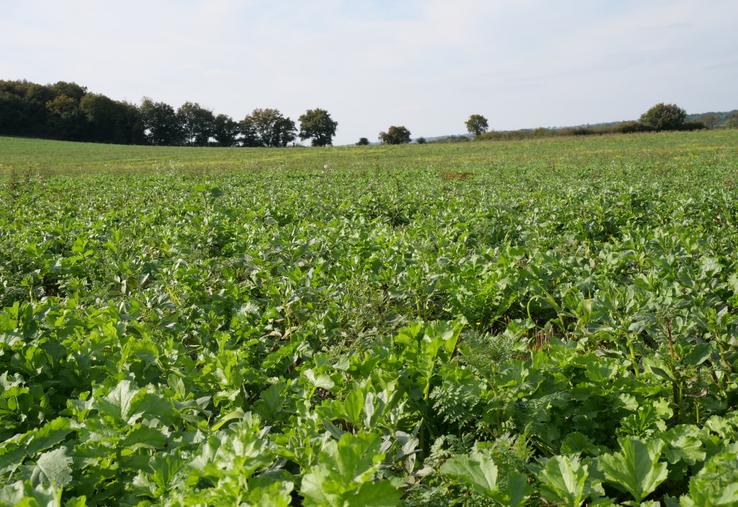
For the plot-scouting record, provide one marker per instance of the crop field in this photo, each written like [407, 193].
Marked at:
[548, 322]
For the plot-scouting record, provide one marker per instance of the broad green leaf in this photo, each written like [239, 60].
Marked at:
[374, 494]
[354, 406]
[14, 451]
[322, 381]
[699, 354]
[24, 494]
[716, 485]
[684, 443]
[517, 491]
[636, 468]
[53, 467]
[317, 489]
[343, 469]
[119, 402]
[276, 494]
[476, 470]
[564, 481]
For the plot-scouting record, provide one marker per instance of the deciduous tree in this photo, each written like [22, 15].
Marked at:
[267, 127]
[317, 124]
[225, 130]
[111, 121]
[664, 117]
[161, 123]
[477, 124]
[65, 119]
[198, 123]
[395, 135]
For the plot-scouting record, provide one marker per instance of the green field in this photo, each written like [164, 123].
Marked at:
[546, 322]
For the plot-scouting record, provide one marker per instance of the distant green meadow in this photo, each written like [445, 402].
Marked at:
[542, 322]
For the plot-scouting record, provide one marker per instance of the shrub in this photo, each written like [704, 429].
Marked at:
[664, 117]
[632, 127]
[395, 135]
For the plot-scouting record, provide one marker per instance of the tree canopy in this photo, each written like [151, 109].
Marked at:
[161, 124]
[317, 124]
[225, 130]
[197, 123]
[477, 124]
[395, 135]
[65, 110]
[664, 117]
[267, 127]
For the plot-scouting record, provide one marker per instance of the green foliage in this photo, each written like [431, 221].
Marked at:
[111, 121]
[317, 125]
[363, 141]
[161, 124]
[732, 121]
[540, 323]
[225, 130]
[344, 474]
[717, 483]
[566, 481]
[477, 124]
[636, 468]
[664, 117]
[267, 127]
[197, 123]
[477, 470]
[395, 135]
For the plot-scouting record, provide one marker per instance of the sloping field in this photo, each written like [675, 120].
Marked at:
[538, 322]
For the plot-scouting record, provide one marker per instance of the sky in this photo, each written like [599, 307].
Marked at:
[424, 64]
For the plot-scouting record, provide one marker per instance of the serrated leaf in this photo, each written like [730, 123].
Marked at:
[716, 485]
[476, 470]
[684, 444]
[564, 481]
[636, 468]
[118, 402]
[343, 468]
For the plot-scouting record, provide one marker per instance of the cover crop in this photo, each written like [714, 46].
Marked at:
[528, 323]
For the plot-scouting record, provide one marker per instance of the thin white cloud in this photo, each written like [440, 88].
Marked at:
[426, 64]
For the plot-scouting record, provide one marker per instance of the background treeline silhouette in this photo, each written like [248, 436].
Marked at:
[67, 111]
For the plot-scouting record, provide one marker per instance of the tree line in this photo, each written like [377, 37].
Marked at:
[67, 111]
[659, 118]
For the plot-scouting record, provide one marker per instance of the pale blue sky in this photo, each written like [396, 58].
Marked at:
[423, 64]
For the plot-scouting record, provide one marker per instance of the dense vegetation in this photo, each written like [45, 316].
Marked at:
[541, 322]
[68, 111]
[659, 118]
